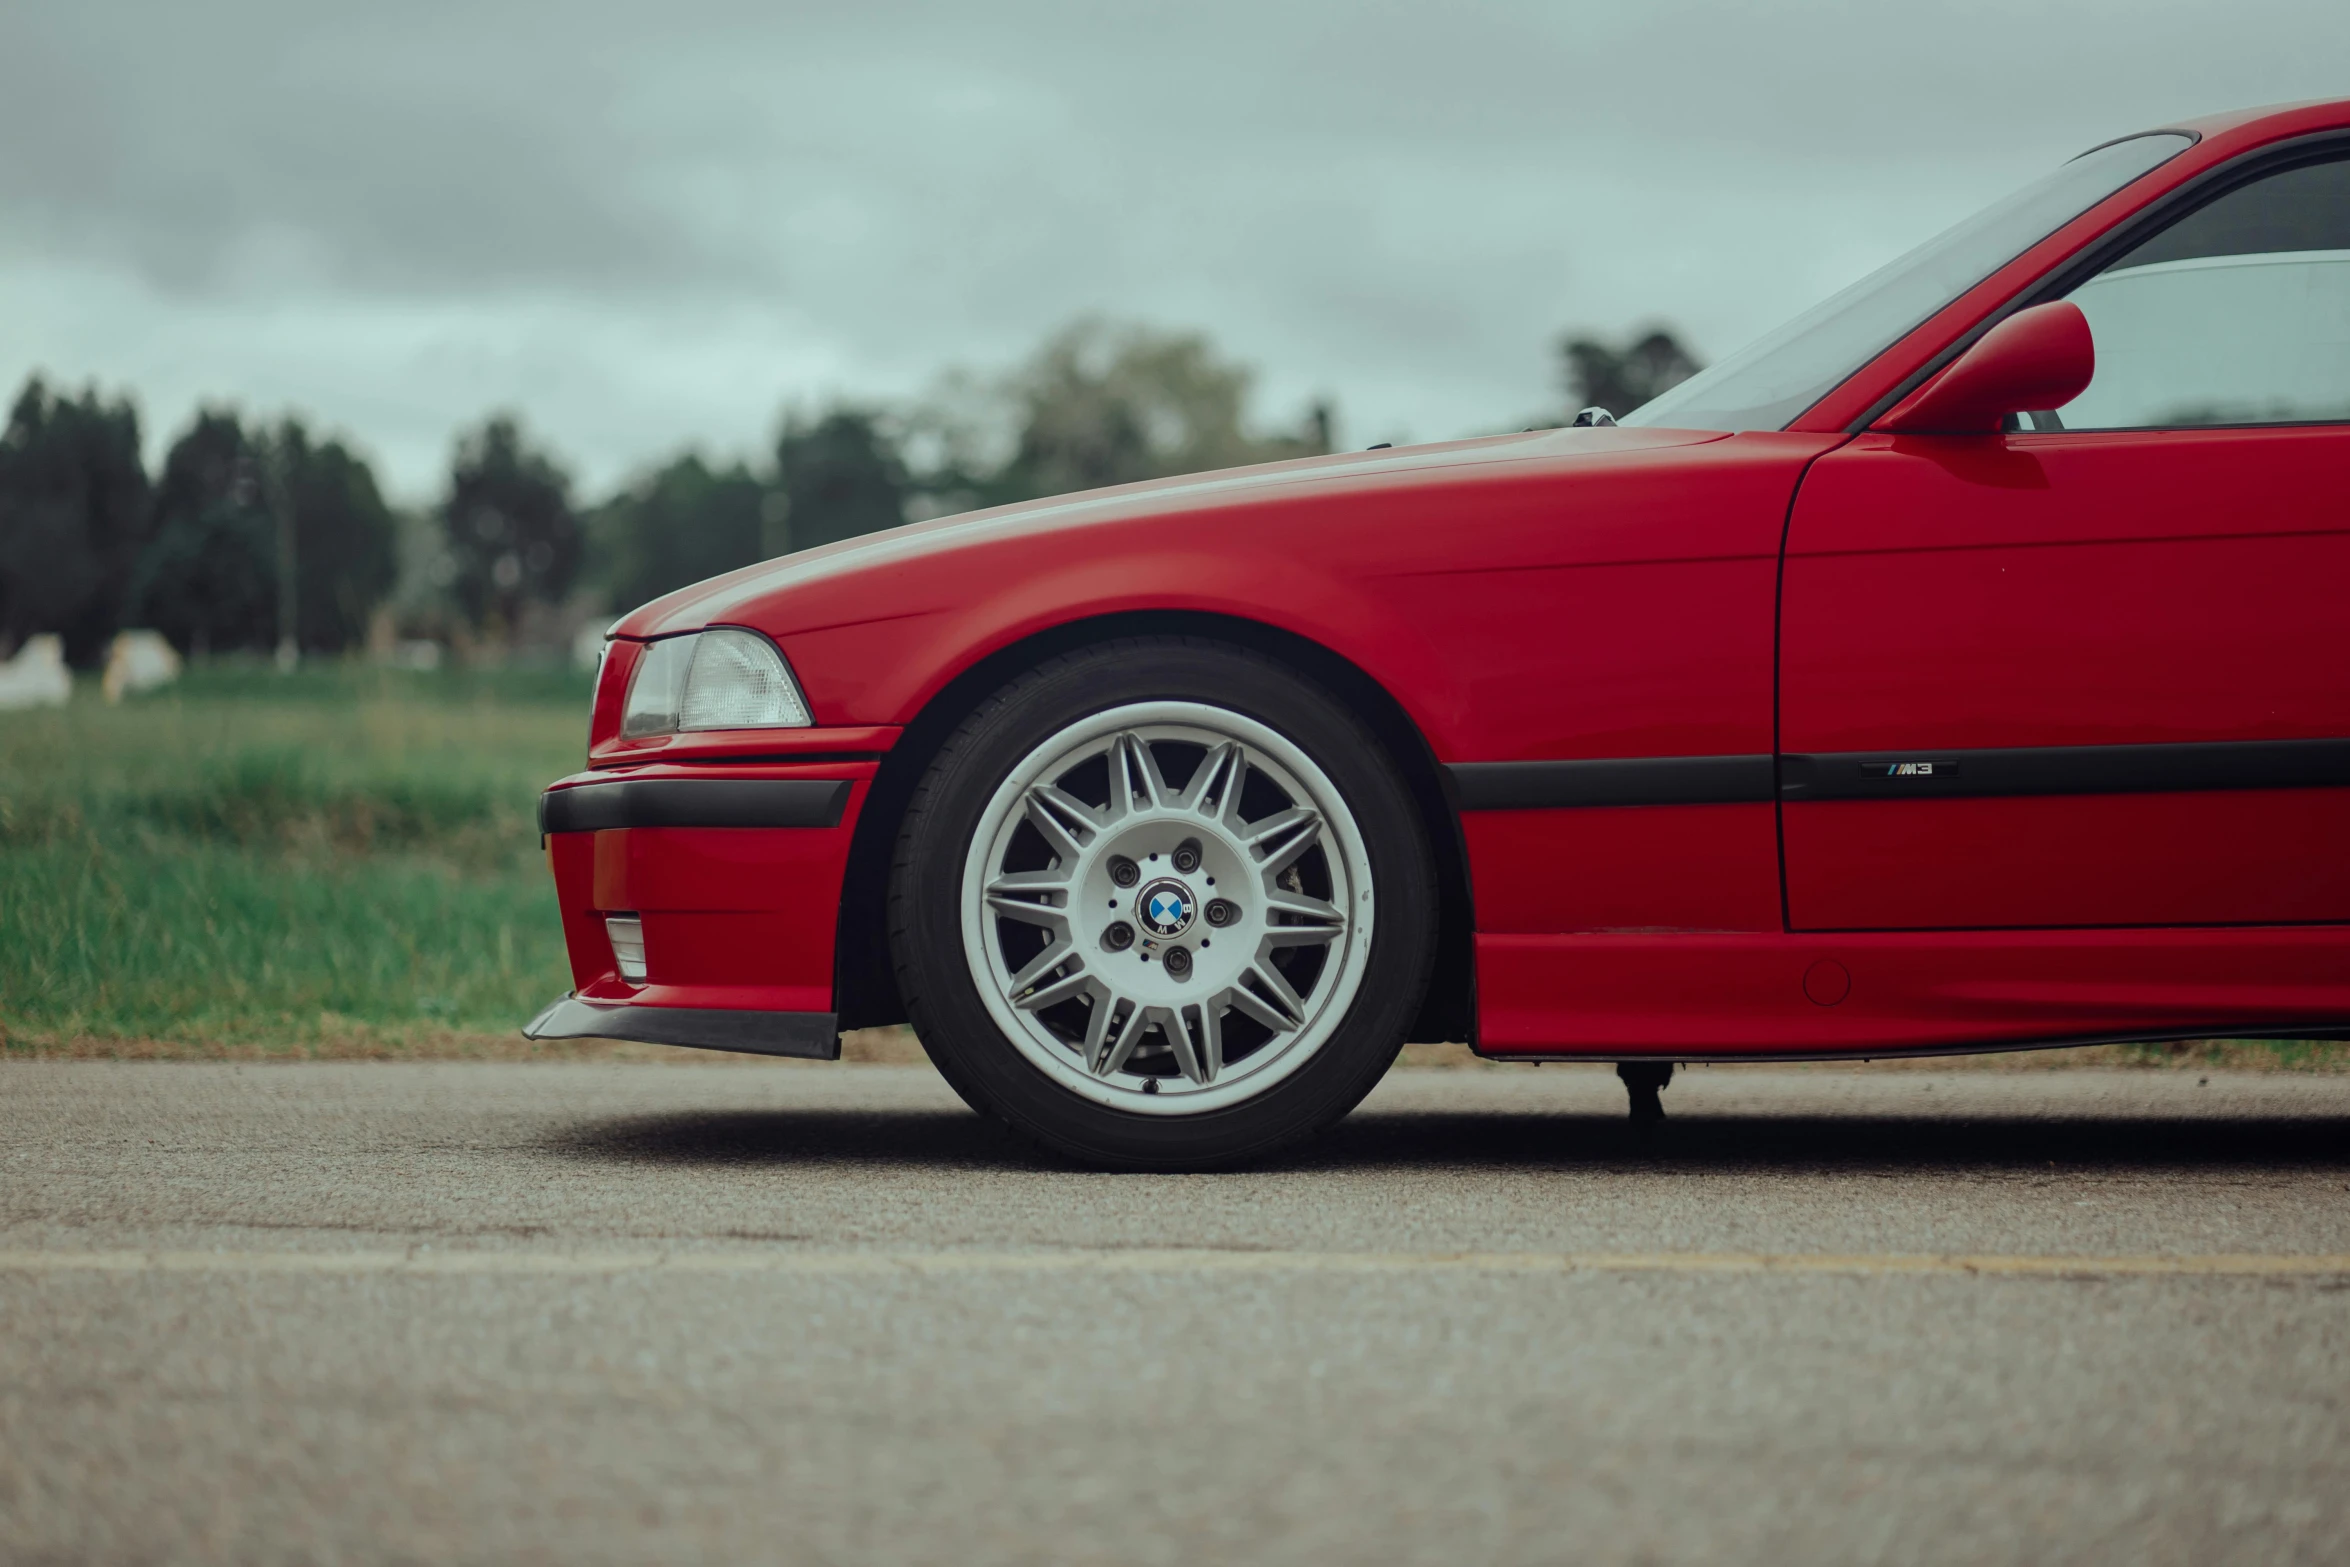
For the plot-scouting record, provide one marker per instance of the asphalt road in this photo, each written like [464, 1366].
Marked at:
[717, 1312]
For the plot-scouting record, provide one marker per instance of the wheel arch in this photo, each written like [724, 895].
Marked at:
[865, 982]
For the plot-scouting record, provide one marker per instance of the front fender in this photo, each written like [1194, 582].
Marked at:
[896, 666]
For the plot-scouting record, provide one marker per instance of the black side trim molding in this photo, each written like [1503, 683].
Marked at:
[1633, 780]
[2067, 769]
[695, 802]
[1921, 774]
[813, 1036]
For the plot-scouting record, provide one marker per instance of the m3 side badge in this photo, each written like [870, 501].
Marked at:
[1919, 769]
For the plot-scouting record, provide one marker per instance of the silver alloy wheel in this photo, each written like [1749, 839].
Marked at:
[1167, 907]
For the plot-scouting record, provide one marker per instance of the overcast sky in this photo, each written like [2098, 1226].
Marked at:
[648, 225]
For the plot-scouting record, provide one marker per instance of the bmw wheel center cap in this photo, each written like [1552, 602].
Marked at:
[1167, 908]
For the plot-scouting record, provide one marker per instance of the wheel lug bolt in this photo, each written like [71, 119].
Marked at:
[1178, 961]
[1220, 913]
[1187, 856]
[1124, 871]
[1118, 937]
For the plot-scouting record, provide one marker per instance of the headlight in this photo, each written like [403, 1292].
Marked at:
[727, 678]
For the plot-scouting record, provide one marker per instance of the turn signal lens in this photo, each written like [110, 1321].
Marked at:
[627, 934]
[725, 678]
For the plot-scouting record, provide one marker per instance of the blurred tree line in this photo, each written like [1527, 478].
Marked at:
[257, 535]
[1620, 377]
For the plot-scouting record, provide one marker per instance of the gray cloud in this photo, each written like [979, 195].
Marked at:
[644, 225]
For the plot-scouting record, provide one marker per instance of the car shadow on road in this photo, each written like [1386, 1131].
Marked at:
[923, 1139]
[1508, 1139]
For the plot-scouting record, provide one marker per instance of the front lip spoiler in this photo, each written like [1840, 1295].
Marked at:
[810, 1036]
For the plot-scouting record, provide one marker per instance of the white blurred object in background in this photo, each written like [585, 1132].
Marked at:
[138, 661]
[37, 676]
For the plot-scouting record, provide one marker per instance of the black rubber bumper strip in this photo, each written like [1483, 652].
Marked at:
[695, 802]
[1636, 780]
[2067, 769]
[812, 1036]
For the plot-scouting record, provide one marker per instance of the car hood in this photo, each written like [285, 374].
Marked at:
[728, 598]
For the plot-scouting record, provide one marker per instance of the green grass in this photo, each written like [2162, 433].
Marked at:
[344, 856]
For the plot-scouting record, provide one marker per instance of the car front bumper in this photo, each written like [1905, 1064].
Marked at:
[734, 874]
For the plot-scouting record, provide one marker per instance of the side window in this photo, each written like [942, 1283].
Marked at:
[2237, 314]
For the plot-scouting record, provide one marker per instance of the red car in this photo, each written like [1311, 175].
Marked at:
[1964, 666]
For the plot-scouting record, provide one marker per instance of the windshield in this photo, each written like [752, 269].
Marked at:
[1767, 384]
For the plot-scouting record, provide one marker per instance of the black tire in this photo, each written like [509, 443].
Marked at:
[942, 999]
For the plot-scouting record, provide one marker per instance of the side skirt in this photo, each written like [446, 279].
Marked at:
[1774, 996]
[1906, 1053]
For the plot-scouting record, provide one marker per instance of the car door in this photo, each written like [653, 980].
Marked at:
[2096, 672]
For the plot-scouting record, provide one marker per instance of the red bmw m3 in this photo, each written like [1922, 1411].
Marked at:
[1963, 666]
